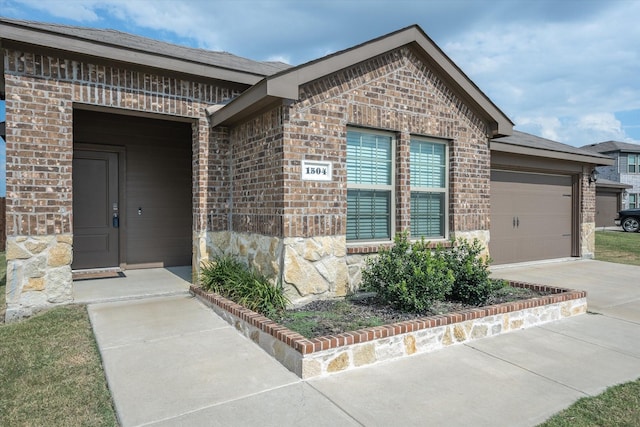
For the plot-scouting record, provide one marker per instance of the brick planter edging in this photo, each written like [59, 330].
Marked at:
[334, 353]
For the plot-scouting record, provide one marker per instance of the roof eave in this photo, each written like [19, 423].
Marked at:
[254, 99]
[619, 186]
[26, 35]
[529, 151]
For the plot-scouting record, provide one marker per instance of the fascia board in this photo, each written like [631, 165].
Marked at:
[122, 54]
[528, 151]
[286, 84]
[505, 125]
[255, 95]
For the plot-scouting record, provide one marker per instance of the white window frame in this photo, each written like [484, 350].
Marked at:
[390, 187]
[636, 203]
[430, 190]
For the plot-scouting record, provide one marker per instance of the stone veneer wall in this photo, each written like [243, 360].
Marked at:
[42, 90]
[39, 272]
[307, 267]
[326, 355]
[587, 216]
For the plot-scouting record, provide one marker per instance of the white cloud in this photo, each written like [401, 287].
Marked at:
[82, 11]
[544, 126]
[566, 79]
[279, 58]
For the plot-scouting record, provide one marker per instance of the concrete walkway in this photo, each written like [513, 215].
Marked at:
[170, 361]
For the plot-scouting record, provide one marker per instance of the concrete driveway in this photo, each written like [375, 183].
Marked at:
[171, 361]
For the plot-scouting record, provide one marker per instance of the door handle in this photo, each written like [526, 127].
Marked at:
[115, 221]
[514, 222]
[517, 222]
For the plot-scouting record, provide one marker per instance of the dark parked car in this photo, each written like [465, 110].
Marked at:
[629, 219]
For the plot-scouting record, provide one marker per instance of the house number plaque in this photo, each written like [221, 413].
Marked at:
[316, 170]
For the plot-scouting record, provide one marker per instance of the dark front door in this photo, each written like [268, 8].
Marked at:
[95, 209]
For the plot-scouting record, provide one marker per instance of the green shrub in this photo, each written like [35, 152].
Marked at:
[408, 276]
[411, 276]
[472, 284]
[232, 279]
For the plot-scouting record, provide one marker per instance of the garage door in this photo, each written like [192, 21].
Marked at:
[531, 216]
[606, 208]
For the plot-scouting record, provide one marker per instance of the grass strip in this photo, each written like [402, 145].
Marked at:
[51, 373]
[616, 407]
[618, 247]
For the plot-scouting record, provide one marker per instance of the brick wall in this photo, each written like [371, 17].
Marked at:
[395, 92]
[258, 184]
[41, 93]
[3, 223]
[588, 199]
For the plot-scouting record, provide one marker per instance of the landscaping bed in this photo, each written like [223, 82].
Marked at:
[419, 298]
[311, 357]
[362, 310]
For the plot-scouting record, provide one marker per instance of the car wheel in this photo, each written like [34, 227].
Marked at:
[631, 224]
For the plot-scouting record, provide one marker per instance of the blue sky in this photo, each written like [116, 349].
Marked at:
[566, 70]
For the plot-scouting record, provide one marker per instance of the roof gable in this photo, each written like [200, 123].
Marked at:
[286, 84]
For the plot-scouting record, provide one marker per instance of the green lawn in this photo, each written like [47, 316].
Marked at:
[618, 247]
[619, 405]
[50, 370]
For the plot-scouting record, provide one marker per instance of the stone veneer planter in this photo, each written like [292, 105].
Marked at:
[325, 355]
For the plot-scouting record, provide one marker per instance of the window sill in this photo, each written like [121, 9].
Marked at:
[374, 247]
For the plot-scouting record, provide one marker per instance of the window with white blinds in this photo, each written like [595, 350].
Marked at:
[428, 169]
[369, 185]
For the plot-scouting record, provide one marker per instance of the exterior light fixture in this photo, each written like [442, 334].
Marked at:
[593, 176]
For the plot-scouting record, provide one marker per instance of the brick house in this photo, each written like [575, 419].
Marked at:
[125, 152]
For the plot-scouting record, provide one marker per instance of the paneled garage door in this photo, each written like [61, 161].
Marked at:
[531, 216]
[606, 208]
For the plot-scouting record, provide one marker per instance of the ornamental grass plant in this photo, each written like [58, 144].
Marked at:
[236, 281]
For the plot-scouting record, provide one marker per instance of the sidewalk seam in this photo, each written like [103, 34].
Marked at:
[528, 370]
[150, 423]
[168, 337]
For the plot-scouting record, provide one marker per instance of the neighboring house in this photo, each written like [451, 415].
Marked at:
[625, 169]
[609, 200]
[130, 153]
